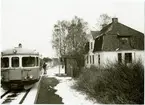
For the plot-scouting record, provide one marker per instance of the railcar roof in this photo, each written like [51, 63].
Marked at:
[19, 51]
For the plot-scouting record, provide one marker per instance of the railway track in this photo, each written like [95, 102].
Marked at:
[5, 94]
[14, 97]
[24, 96]
[21, 96]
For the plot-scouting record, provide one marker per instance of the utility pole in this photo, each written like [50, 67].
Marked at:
[58, 30]
[73, 32]
[59, 52]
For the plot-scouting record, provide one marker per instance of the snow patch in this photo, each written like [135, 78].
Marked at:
[69, 95]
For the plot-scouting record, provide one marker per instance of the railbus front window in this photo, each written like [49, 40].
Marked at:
[28, 61]
[15, 61]
[5, 62]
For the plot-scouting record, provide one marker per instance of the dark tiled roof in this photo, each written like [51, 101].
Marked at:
[95, 34]
[122, 30]
[110, 38]
[98, 44]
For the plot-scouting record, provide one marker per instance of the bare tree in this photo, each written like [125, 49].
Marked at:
[60, 31]
[103, 20]
[76, 36]
[69, 37]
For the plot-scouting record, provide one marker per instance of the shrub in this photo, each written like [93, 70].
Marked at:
[114, 84]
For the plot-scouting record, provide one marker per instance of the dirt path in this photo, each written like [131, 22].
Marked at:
[46, 94]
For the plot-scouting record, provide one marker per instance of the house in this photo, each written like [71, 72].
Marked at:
[115, 42]
[89, 47]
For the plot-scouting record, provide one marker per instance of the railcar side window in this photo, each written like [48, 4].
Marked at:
[15, 61]
[28, 61]
[5, 62]
[36, 61]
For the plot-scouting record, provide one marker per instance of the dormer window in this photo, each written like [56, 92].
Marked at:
[124, 40]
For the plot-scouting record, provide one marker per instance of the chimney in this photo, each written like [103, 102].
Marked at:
[20, 45]
[114, 20]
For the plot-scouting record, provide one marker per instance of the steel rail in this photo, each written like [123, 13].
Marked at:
[5, 93]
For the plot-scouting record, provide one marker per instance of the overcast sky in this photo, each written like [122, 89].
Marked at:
[30, 22]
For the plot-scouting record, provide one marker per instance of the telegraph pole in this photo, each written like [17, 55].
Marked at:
[57, 28]
[59, 52]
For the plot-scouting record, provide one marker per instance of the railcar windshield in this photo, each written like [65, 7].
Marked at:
[28, 61]
[4, 62]
[15, 61]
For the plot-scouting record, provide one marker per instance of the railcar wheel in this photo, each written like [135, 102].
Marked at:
[17, 87]
[5, 86]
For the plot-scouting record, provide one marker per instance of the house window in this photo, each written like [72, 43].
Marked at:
[91, 45]
[99, 59]
[87, 59]
[119, 58]
[90, 59]
[124, 38]
[93, 58]
[128, 57]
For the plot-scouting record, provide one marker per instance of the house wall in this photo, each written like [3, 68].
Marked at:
[140, 56]
[89, 59]
[89, 56]
[91, 45]
[112, 57]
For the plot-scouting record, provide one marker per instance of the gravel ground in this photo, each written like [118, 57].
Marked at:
[46, 94]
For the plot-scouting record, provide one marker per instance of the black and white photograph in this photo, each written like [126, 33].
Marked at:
[72, 52]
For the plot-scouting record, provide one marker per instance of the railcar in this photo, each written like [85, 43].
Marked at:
[19, 67]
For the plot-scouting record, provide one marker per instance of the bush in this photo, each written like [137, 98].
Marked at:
[114, 84]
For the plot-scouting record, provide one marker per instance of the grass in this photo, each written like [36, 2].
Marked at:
[113, 84]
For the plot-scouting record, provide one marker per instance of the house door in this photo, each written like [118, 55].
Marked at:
[70, 66]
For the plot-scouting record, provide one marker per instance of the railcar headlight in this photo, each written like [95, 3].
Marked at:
[26, 77]
[31, 76]
[1, 78]
[15, 51]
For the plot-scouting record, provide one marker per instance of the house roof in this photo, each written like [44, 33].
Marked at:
[119, 29]
[95, 34]
[114, 30]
